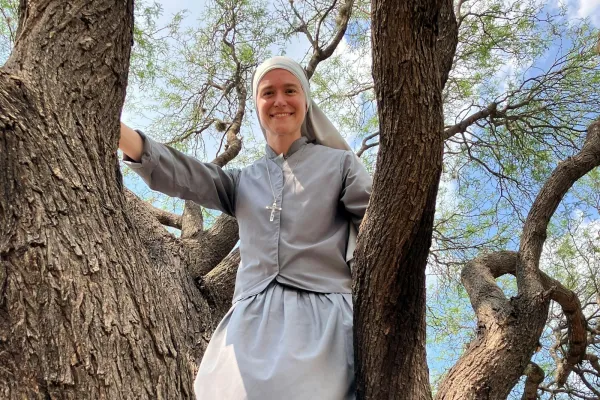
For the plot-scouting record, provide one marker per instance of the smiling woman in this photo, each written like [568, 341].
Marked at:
[289, 331]
[282, 106]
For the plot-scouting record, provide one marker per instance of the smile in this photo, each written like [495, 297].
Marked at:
[281, 115]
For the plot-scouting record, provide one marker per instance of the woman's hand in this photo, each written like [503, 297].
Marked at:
[131, 143]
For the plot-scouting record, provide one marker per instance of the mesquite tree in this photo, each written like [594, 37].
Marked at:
[97, 300]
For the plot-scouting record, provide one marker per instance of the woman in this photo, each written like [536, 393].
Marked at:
[288, 334]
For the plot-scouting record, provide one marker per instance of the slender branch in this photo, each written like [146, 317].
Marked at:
[8, 21]
[366, 146]
[186, 135]
[593, 360]
[592, 388]
[234, 143]
[323, 18]
[462, 126]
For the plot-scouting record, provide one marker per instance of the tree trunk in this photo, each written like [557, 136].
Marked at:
[87, 308]
[389, 275]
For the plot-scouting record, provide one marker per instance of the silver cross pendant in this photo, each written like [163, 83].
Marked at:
[273, 208]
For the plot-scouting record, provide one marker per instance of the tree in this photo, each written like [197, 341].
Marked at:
[84, 316]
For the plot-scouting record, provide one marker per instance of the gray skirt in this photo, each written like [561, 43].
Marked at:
[282, 343]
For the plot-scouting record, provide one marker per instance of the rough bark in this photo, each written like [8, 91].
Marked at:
[212, 246]
[389, 275]
[164, 217]
[95, 299]
[217, 286]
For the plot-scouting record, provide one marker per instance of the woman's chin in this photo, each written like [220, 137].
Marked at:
[281, 133]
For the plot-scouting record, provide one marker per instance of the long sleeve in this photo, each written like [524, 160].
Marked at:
[356, 187]
[178, 175]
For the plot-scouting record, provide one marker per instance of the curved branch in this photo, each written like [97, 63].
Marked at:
[479, 279]
[534, 231]
[234, 143]
[576, 325]
[366, 146]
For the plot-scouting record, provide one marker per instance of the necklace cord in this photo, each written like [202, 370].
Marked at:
[285, 181]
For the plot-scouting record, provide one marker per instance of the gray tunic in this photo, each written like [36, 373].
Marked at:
[289, 331]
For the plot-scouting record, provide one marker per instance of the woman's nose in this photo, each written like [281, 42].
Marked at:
[279, 100]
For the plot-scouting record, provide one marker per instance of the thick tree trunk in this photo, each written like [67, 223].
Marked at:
[389, 275]
[87, 308]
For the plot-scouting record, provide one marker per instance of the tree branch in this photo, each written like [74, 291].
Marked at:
[366, 146]
[218, 285]
[164, 217]
[535, 376]
[593, 360]
[534, 232]
[479, 278]
[486, 297]
[234, 143]
[205, 252]
[462, 126]
[576, 325]
[321, 54]
[192, 221]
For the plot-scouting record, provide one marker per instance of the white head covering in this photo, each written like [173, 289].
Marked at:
[316, 126]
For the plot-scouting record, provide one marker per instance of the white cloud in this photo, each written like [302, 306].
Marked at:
[589, 8]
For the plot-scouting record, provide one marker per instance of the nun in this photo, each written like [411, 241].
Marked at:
[288, 334]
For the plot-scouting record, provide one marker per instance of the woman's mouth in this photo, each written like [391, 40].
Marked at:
[281, 115]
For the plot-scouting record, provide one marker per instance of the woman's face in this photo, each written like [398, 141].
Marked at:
[281, 104]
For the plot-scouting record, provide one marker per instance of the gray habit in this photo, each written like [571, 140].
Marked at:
[288, 334]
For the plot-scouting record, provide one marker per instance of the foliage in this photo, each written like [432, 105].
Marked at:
[9, 17]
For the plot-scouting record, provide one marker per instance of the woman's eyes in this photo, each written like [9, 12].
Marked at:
[270, 92]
